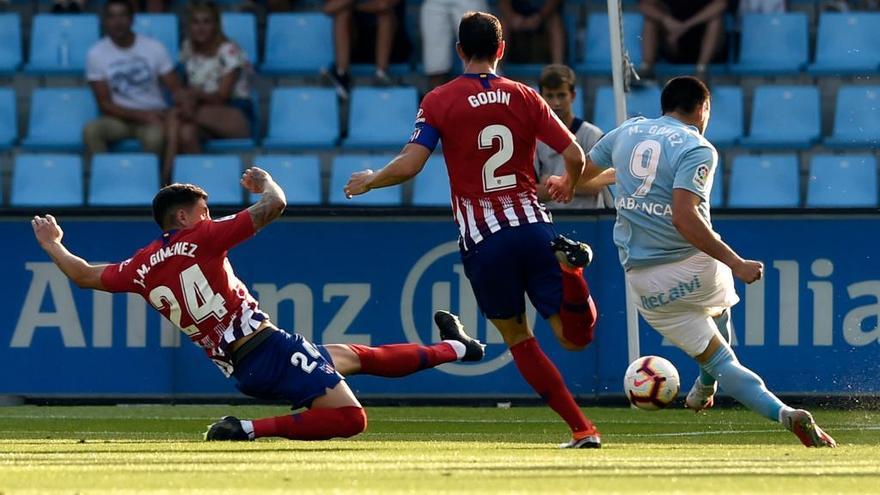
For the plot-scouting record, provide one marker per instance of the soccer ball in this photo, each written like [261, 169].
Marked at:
[651, 383]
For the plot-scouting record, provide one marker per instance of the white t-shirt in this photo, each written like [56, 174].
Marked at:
[132, 73]
[549, 162]
[205, 73]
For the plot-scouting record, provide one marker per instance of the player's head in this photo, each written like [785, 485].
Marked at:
[118, 18]
[180, 206]
[480, 38]
[557, 85]
[689, 98]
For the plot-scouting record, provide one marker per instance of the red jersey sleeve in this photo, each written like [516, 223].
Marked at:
[224, 233]
[117, 277]
[550, 130]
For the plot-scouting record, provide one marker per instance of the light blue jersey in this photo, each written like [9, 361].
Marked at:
[651, 157]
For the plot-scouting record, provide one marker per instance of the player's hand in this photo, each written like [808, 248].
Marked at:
[358, 183]
[254, 180]
[748, 270]
[46, 230]
[560, 188]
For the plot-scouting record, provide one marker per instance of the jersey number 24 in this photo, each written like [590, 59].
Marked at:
[201, 301]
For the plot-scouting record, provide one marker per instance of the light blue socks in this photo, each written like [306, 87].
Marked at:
[722, 321]
[743, 384]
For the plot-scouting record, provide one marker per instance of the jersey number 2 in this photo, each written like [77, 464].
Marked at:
[496, 161]
[643, 165]
[201, 301]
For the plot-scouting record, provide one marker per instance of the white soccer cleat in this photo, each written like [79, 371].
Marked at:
[801, 423]
[701, 396]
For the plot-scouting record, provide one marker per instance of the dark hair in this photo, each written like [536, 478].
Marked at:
[126, 3]
[480, 35]
[556, 76]
[683, 94]
[172, 197]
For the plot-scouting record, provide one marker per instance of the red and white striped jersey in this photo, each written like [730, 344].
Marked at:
[187, 277]
[489, 127]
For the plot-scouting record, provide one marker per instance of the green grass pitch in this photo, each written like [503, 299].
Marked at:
[426, 450]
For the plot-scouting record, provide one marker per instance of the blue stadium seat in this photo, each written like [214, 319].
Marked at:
[644, 102]
[57, 118]
[123, 179]
[238, 145]
[856, 118]
[302, 118]
[767, 181]
[8, 119]
[784, 117]
[847, 44]
[10, 43]
[298, 44]
[43, 180]
[241, 27]
[381, 117]
[726, 122]
[717, 194]
[161, 27]
[51, 32]
[345, 165]
[298, 175]
[219, 175]
[597, 49]
[847, 181]
[431, 186]
[773, 44]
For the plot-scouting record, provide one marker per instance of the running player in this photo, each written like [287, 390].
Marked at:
[187, 277]
[680, 269]
[489, 126]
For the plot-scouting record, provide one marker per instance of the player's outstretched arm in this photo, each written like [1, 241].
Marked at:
[561, 188]
[694, 228]
[403, 167]
[272, 202]
[49, 234]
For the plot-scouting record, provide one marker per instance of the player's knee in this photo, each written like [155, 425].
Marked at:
[353, 421]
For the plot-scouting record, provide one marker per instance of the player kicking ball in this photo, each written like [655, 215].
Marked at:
[187, 277]
[679, 268]
[489, 126]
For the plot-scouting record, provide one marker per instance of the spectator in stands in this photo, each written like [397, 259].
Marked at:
[124, 70]
[366, 30]
[558, 87]
[690, 33]
[216, 101]
[760, 6]
[439, 26]
[68, 6]
[526, 22]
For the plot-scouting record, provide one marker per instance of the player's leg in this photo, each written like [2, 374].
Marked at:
[396, 360]
[702, 393]
[575, 322]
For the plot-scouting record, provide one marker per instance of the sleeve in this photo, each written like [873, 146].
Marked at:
[94, 70]
[222, 234]
[426, 130]
[550, 130]
[117, 277]
[164, 64]
[696, 171]
[231, 58]
[600, 153]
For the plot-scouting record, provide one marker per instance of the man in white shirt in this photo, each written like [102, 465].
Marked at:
[558, 86]
[124, 70]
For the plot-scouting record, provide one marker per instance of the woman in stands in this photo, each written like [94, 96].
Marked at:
[216, 100]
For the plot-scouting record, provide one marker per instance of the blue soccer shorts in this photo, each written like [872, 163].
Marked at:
[513, 262]
[286, 367]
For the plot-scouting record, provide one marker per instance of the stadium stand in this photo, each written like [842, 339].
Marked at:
[726, 123]
[47, 180]
[8, 119]
[784, 117]
[597, 48]
[431, 186]
[59, 43]
[767, 181]
[381, 118]
[298, 175]
[302, 118]
[297, 44]
[162, 27]
[217, 174]
[856, 118]
[345, 165]
[773, 44]
[842, 181]
[644, 102]
[57, 118]
[241, 27]
[120, 179]
[10, 43]
[717, 192]
[847, 44]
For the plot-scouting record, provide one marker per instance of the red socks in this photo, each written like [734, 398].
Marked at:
[402, 359]
[314, 424]
[543, 376]
[578, 311]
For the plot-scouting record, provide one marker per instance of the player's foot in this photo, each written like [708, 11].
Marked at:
[228, 428]
[801, 423]
[701, 396]
[452, 329]
[589, 439]
[572, 254]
